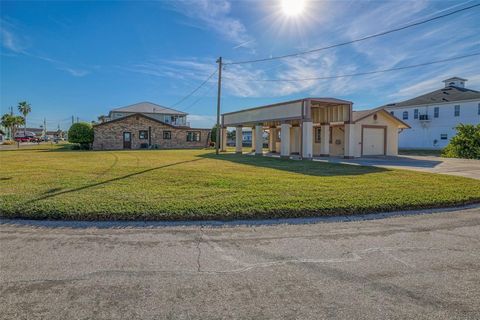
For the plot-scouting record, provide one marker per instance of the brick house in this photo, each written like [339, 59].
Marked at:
[140, 131]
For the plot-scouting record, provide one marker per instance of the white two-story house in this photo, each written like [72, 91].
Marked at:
[152, 110]
[434, 115]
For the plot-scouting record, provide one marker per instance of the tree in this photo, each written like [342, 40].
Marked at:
[465, 144]
[24, 108]
[12, 123]
[81, 133]
[213, 134]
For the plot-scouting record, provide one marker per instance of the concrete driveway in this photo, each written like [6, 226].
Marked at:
[408, 267]
[457, 167]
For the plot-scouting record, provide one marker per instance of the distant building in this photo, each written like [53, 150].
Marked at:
[433, 116]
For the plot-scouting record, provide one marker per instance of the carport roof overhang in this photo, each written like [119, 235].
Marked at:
[284, 111]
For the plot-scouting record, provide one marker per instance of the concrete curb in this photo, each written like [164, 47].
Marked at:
[75, 224]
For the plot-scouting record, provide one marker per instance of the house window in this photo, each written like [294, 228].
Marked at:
[331, 134]
[392, 113]
[443, 136]
[143, 134]
[405, 115]
[479, 108]
[318, 135]
[415, 114]
[193, 136]
[457, 111]
[167, 135]
[436, 112]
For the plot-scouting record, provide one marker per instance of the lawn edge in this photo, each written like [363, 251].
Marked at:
[106, 224]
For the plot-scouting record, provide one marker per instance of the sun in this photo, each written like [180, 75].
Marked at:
[292, 8]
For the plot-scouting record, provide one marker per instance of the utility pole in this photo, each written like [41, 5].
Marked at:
[77, 120]
[44, 127]
[219, 95]
[11, 110]
[73, 121]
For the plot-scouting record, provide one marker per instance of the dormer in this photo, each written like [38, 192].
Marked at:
[455, 82]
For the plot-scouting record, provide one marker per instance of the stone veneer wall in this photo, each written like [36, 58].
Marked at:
[109, 136]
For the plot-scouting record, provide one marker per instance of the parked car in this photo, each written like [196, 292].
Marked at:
[25, 137]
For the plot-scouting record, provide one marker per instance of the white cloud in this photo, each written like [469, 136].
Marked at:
[216, 15]
[17, 43]
[199, 121]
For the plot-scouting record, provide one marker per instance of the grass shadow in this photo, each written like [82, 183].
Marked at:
[312, 168]
[52, 193]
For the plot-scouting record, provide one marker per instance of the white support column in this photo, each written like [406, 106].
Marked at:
[272, 140]
[349, 145]
[285, 140]
[259, 139]
[253, 139]
[307, 140]
[238, 140]
[325, 140]
[223, 140]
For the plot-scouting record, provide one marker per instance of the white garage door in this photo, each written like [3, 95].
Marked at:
[373, 141]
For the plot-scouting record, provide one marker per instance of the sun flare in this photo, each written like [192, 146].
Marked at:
[292, 8]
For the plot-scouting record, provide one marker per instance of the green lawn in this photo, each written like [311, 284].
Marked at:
[49, 182]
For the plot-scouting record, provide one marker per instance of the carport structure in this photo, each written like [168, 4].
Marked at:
[304, 127]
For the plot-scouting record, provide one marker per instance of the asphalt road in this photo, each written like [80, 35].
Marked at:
[409, 267]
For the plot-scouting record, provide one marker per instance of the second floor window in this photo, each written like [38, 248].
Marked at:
[436, 112]
[457, 111]
[415, 114]
[405, 115]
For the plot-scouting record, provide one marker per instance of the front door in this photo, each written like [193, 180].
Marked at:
[127, 140]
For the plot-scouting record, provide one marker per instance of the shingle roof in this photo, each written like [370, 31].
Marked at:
[449, 94]
[149, 107]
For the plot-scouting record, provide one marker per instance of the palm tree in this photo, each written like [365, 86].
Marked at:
[24, 108]
[11, 123]
[6, 122]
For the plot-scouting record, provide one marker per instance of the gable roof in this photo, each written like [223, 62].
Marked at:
[448, 94]
[137, 114]
[148, 107]
[362, 114]
[149, 118]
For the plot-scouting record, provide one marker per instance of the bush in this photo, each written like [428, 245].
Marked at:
[81, 133]
[8, 142]
[465, 144]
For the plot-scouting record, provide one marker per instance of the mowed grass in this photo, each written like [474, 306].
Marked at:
[46, 182]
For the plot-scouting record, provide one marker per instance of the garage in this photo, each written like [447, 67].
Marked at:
[373, 140]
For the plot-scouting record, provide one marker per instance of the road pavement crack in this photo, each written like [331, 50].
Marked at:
[199, 250]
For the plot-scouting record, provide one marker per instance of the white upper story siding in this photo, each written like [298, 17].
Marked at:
[433, 124]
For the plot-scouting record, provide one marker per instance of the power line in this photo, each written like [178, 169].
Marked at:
[360, 73]
[200, 98]
[356, 40]
[195, 90]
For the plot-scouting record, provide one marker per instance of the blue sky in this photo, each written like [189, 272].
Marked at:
[84, 58]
